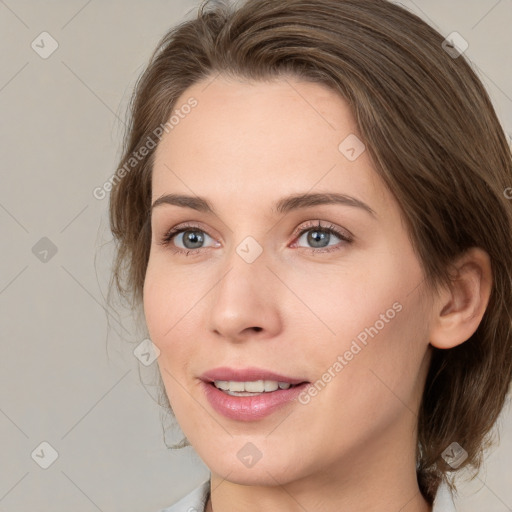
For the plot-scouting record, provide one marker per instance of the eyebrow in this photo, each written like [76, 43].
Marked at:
[284, 205]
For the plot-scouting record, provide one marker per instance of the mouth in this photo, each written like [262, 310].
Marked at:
[250, 394]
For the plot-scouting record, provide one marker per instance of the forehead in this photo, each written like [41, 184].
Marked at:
[256, 137]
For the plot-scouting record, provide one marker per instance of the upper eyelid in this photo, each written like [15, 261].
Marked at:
[309, 224]
[342, 233]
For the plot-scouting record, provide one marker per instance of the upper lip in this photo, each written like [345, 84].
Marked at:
[247, 374]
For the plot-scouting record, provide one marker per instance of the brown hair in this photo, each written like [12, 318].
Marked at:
[432, 133]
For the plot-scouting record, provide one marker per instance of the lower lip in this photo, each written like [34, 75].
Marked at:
[250, 408]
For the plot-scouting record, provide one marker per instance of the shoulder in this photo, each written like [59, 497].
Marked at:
[193, 502]
[443, 501]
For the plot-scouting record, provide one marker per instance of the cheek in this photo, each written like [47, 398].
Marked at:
[168, 295]
[165, 304]
[380, 361]
[153, 305]
[162, 311]
[338, 305]
[368, 341]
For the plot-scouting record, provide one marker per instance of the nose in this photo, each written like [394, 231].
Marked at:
[245, 301]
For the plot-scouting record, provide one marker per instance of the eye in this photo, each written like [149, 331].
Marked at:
[187, 239]
[319, 237]
[193, 238]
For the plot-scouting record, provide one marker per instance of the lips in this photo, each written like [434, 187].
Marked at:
[258, 405]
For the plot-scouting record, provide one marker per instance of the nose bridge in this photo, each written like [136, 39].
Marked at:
[246, 266]
[244, 297]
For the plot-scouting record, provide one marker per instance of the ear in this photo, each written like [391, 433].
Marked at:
[459, 310]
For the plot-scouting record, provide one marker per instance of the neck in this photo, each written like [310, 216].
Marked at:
[415, 504]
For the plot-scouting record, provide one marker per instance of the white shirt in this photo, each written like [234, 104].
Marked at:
[195, 501]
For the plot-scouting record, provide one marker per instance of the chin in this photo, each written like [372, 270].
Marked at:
[264, 473]
[266, 477]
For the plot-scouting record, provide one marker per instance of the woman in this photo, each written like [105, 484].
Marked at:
[311, 212]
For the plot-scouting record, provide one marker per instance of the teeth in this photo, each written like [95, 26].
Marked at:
[222, 384]
[270, 385]
[236, 386]
[256, 386]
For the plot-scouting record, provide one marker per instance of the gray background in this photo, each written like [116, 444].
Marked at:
[69, 375]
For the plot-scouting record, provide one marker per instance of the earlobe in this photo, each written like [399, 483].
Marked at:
[458, 310]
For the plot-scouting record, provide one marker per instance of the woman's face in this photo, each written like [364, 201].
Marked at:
[256, 284]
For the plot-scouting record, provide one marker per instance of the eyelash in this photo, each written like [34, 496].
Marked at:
[331, 229]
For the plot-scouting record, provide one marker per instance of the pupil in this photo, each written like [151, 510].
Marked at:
[316, 236]
[194, 237]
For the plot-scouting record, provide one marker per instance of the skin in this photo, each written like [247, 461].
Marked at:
[294, 310]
